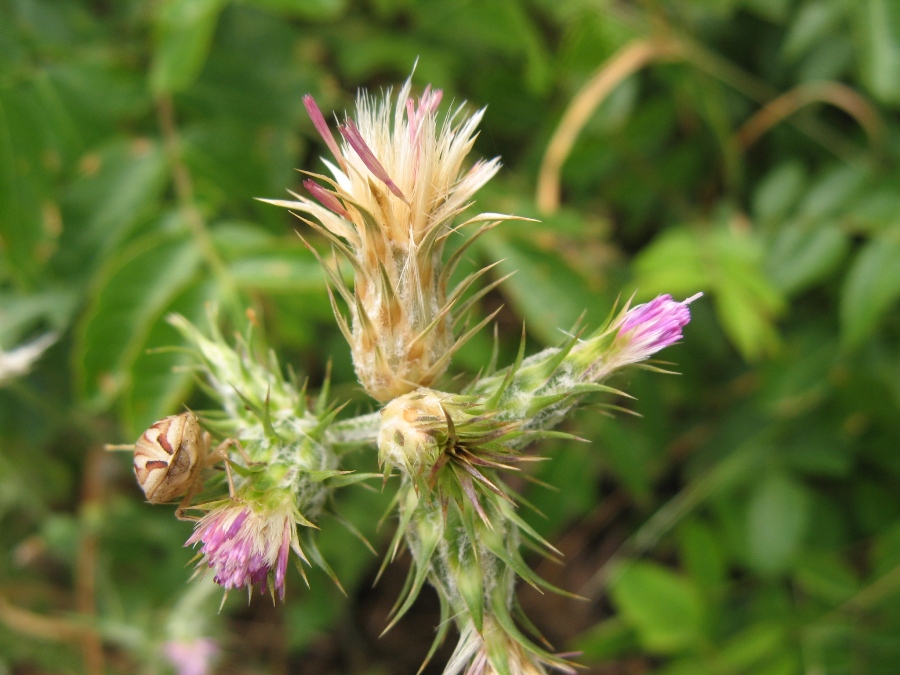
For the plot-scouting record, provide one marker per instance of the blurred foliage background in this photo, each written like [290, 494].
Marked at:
[748, 523]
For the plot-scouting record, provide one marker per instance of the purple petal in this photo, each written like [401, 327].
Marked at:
[236, 525]
[281, 568]
[321, 126]
[328, 200]
[427, 105]
[656, 324]
[357, 142]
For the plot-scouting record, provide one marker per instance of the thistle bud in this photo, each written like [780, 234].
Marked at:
[447, 443]
[411, 427]
[492, 651]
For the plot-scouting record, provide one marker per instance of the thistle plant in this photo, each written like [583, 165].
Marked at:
[397, 185]
[459, 518]
[247, 537]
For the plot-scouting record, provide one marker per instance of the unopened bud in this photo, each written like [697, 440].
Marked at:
[412, 430]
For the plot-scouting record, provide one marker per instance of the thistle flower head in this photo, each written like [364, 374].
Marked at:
[397, 182]
[247, 545]
[645, 329]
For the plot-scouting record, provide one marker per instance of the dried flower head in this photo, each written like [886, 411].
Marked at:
[397, 185]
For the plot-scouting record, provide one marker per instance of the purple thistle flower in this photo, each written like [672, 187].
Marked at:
[244, 546]
[645, 329]
[191, 657]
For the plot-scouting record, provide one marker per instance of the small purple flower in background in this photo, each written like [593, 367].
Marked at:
[648, 328]
[243, 545]
[191, 657]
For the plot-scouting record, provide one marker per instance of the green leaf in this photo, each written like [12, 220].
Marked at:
[798, 380]
[833, 191]
[814, 21]
[156, 387]
[746, 301]
[607, 640]
[701, 554]
[184, 33]
[121, 184]
[802, 255]
[881, 44]
[259, 261]
[749, 330]
[751, 646]
[130, 295]
[289, 269]
[23, 182]
[503, 26]
[777, 518]
[726, 261]
[673, 263]
[826, 576]
[664, 608]
[785, 663]
[20, 313]
[886, 552]
[545, 289]
[691, 665]
[876, 209]
[317, 10]
[872, 286]
[778, 192]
